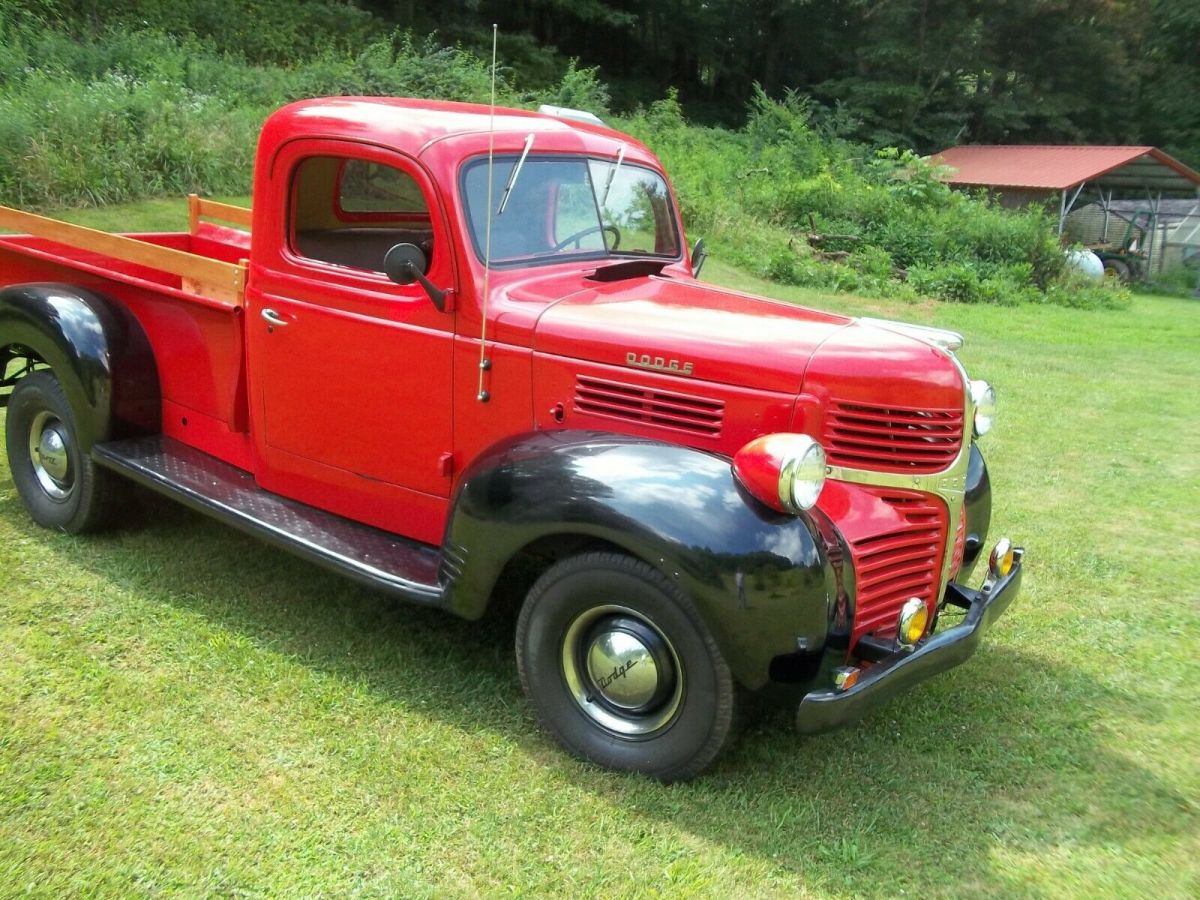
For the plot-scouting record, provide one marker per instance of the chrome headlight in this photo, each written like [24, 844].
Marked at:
[983, 395]
[784, 471]
[803, 473]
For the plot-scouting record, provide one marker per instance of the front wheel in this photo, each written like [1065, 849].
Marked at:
[621, 669]
[55, 477]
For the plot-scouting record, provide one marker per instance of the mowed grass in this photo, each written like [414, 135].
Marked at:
[184, 710]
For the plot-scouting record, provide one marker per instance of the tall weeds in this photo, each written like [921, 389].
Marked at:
[108, 114]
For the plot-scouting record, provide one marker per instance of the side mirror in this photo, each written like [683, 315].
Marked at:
[404, 264]
[699, 255]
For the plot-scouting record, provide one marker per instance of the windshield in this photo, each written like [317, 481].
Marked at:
[553, 210]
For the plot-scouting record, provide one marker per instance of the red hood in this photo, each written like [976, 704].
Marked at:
[668, 323]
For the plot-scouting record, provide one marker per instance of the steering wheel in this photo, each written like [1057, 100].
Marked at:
[580, 235]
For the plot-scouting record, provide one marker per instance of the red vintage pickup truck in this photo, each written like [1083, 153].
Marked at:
[450, 348]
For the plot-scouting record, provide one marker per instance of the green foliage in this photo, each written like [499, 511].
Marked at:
[118, 137]
[399, 66]
[580, 89]
[909, 73]
[257, 30]
[1180, 282]
[114, 114]
[134, 114]
[756, 193]
[911, 178]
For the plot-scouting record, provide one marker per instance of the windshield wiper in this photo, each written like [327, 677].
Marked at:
[514, 174]
[612, 173]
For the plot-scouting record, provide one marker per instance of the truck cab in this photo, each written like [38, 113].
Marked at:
[455, 346]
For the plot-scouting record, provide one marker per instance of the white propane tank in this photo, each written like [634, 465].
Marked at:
[1086, 263]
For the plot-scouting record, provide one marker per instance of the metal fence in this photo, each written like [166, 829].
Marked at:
[1170, 234]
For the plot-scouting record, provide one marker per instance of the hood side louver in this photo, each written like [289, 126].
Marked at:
[649, 406]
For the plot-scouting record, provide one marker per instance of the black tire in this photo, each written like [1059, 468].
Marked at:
[1118, 269]
[672, 723]
[63, 489]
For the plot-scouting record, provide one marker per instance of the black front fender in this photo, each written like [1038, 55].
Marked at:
[96, 349]
[760, 579]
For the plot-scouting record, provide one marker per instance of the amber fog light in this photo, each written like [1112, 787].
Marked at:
[914, 616]
[846, 677]
[1001, 562]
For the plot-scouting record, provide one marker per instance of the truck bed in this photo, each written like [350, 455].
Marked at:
[184, 288]
[204, 262]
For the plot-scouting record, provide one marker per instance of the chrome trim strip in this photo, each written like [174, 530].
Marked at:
[943, 338]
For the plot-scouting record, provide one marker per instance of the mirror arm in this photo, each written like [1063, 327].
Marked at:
[435, 294]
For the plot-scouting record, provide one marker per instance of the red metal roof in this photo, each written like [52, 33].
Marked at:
[1050, 168]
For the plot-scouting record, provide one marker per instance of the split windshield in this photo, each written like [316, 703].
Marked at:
[564, 207]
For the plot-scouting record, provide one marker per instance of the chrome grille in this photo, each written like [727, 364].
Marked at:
[899, 563]
[891, 438]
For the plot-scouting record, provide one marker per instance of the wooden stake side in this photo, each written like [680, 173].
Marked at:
[200, 275]
[193, 214]
[212, 209]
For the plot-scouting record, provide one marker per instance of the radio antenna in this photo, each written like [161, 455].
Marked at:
[484, 363]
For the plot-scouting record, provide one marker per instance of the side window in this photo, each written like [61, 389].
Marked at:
[350, 212]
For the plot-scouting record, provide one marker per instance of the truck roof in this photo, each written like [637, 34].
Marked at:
[416, 124]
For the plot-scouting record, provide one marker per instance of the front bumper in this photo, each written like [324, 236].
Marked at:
[825, 709]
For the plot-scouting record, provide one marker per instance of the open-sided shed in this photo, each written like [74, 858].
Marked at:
[1020, 174]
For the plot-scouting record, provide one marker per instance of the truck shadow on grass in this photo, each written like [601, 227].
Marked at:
[1012, 755]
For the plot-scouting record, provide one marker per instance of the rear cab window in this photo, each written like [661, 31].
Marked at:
[350, 212]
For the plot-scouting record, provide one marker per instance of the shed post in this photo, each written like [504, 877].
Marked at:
[1151, 227]
[1066, 205]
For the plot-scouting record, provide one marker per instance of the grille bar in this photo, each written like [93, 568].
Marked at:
[886, 429]
[636, 403]
[899, 563]
[890, 438]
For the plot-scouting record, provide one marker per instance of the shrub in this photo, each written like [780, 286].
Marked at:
[579, 89]
[905, 230]
[174, 104]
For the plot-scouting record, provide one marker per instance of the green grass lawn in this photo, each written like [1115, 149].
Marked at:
[184, 710]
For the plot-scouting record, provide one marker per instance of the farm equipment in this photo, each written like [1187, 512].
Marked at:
[1127, 261]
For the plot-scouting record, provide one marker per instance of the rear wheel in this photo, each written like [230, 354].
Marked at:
[621, 669]
[57, 481]
[1118, 270]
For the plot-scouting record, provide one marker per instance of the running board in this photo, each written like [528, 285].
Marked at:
[385, 561]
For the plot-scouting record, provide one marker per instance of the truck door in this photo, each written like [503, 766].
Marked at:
[350, 372]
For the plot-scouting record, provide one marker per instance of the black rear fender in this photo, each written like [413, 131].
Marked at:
[96, 349]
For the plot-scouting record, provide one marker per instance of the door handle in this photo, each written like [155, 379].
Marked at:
[273, 318]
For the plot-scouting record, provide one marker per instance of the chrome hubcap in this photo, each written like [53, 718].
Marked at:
[49, 450]
[622, 671]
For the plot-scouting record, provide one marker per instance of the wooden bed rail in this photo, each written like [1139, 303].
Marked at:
[210, 209]
[200, 275]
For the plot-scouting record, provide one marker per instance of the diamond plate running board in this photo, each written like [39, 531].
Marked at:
[385, 561]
